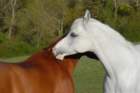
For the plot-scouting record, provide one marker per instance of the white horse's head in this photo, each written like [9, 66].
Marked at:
[78, 40]
[85, 35]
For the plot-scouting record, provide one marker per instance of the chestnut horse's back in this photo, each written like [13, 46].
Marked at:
[41, 73]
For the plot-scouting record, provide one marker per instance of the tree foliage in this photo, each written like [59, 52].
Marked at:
[37, 23]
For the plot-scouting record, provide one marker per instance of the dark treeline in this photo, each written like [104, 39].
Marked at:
[28, 25]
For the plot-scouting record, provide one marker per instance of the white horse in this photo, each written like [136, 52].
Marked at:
[120, 58]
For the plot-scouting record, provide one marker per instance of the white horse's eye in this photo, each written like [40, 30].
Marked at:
[73, 35]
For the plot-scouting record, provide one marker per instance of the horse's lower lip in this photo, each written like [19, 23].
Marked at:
[60, 57]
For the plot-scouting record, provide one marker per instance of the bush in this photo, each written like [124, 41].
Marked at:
[125, 9]
[15, 48]
[2, 37]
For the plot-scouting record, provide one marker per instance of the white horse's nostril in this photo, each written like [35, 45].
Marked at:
[59, 54]
[56, 52]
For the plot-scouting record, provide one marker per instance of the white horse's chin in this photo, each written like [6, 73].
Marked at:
[60, 57]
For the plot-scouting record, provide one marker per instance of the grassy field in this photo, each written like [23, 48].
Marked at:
[88, 76]
[14, 59]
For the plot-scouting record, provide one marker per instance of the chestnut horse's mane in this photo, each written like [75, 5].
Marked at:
[49, 48]
[53, 44]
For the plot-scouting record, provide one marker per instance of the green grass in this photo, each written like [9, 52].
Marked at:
[14, 59]
[89, 76]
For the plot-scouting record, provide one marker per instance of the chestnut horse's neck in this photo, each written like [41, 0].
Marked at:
[68, 62]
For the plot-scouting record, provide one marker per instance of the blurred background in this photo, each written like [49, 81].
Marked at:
[27, 26]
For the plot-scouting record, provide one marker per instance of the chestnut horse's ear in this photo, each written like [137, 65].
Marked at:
[87, 16]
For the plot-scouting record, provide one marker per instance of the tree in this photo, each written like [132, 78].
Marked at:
[104, 2]
[115, 4]
[137, 4]
[4, 11]
[13, 15]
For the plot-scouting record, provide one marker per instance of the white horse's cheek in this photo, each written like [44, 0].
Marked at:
[82, 47]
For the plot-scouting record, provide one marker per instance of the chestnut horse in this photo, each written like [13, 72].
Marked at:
[41, 73]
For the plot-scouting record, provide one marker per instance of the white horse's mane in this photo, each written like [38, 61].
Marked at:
[109, 31]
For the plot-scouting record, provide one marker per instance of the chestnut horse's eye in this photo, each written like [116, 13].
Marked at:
[73, 35]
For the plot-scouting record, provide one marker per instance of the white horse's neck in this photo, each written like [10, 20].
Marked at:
[107, 31]
[116, 53]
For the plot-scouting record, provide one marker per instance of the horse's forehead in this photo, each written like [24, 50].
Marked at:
[77, 26]
[77, 23]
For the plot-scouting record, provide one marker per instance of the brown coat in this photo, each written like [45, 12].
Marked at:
[41, 73]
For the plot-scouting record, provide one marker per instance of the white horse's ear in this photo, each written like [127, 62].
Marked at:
[87, 16]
